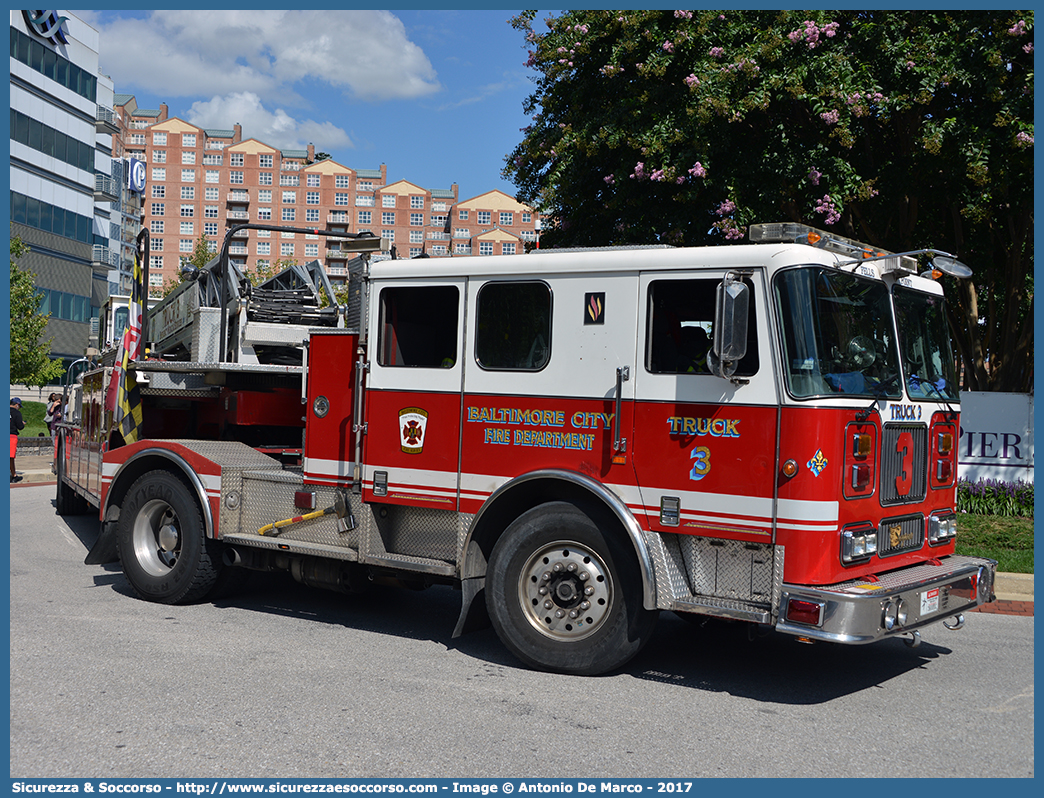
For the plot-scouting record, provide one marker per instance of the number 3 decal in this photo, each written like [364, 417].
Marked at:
[904, 479]
[702, 466]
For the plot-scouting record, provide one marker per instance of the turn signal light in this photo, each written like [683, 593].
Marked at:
[945, 442]
[790, 468]
[807, 612]
[861, 445]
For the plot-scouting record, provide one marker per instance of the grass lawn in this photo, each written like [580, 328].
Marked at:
[33, 415]
[1005, 539]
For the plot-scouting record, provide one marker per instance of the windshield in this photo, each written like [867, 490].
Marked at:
[924, 342]
[838, 336]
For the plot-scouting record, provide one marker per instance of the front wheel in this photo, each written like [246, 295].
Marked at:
[565, 596]
[165, 555]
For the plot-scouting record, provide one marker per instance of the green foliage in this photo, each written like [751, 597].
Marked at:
[30, 361]
[1007, 540]
[203, 251]
[901, 129]
[994, 497]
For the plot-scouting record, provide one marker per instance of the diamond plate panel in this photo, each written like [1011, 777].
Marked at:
[269, 497]
[419, 532]
[206, 335]
[669, 567]
[728, 568]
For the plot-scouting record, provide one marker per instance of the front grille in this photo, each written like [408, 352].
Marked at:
[904, 456]
[896, 535]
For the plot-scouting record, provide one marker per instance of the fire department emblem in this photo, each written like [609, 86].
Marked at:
[818, 463]
[412, 423]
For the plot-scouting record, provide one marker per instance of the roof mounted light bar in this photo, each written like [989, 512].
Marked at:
[888, 262]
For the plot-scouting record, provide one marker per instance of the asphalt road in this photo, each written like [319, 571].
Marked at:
[284, 681]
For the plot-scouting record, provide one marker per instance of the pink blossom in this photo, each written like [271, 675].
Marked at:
[1027, 48]
[814, 175]
[733, 233]
[716, 52]
[698, 170]
[1018, 29]
[668, 47]
[639, 171]
[683, 15]
[657, 176]
[725, 208]
[826, 206]
[609, 180]
[909, 65]
[1023, 137]
[830, 117]
[692, 81]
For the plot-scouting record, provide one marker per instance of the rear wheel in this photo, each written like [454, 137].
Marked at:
[165, 555]
[565, 596]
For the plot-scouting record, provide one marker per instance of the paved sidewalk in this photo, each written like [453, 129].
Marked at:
[1014, 591]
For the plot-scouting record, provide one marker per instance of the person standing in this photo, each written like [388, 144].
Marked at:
[54, 412]
[17, 425]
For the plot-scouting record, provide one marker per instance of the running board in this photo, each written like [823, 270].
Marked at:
[723, 608]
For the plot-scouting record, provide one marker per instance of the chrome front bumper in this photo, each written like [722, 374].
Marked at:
[900, 602]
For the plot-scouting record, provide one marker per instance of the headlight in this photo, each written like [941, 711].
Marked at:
[858, 544]
[942, 528]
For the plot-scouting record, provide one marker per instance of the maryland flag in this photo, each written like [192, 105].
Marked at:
[127, 412]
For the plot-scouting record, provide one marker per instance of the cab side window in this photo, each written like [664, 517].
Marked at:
[514, 326]
[681, 328]
[418, 327]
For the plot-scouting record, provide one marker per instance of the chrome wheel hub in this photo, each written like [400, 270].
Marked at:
[157, 537]
[565, 591]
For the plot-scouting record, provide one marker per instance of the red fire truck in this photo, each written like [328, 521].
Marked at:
[574, 439]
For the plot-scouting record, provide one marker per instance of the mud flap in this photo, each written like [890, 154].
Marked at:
[104, 549]
[473, 615]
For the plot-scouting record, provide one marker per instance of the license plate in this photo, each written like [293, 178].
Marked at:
[929, 602]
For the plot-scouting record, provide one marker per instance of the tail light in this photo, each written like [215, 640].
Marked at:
[943, 452]
[806, 612]
[860, 460]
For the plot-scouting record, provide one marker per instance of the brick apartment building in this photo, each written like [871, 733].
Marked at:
[203, 181]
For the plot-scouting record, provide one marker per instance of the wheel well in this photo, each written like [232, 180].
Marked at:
[511, 500]
[142, 464]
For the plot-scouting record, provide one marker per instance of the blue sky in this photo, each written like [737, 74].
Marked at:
[435, 95]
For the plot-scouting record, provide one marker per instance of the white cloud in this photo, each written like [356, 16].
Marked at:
[276, 128]
[365, 54]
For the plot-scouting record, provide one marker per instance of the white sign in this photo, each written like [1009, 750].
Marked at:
[136, 176]
[996, 439]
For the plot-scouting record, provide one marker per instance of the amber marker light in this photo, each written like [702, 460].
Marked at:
[789, 468]
[946, 443]
[861, 445]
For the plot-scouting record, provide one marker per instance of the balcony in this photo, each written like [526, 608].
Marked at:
[238, 196]
[237, 249]
[436, 236]
[336, 254]
[365, 202]
[242, 216]
[105, 189]
[241, 234]
[102, 256]
[337, 218]
[106, 121]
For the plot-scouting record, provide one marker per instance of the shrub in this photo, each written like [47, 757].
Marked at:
[995, 497]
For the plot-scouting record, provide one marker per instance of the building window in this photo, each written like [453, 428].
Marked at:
[311, 250]
[365, 185]
[292, 166]
[312, 197]
[264, 214]
[286, 249]
[289, 180]
[507, 217]
[155, 262]
[311, 214]
[137, 138]
[507, 248]
[185, 245]
[188, 192]
[289, 197]
[263, 263]
[210, 228]
[529, 235]
[438, 249]
[188, 175]
[155, 244]
[388, 217]
[235, 178]
[417, 219]
[188, 210]
[416, 252]
[159, 192]
[212, 159]
[264, 195]
[340, 198]
[438, 206]
[264, 178]
[462, 232]
[158, 208]
[187, 228]
[211, 194]
[188, 139]
[484, 217]
[387, 200]
[235, 159]
[485, 247]
[461, 249]
[416, 236]
[365, 217]
[264, 161]
[213, 176]
[416, 202]
[159, 139]
[156, 227]
[312, 181]
[340, 181]
[462, 214]
[264, 247]
[389, 234]
[159, 156]
[188, 156]
[289, 214]
[526, 217]
[438, 220]
[210, 212]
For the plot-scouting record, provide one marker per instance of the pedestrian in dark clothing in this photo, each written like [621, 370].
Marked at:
[54, 412]
[17, 425]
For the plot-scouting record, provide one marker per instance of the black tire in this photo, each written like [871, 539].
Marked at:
[67, 501]
[564, 595]
[164, 552]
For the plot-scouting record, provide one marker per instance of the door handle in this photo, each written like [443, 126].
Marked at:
[623, 374]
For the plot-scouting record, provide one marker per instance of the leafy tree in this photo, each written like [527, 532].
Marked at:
[30, 361]
[203, 251]
[901, 129]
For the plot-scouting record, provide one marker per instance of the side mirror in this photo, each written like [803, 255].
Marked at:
[730, 326]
